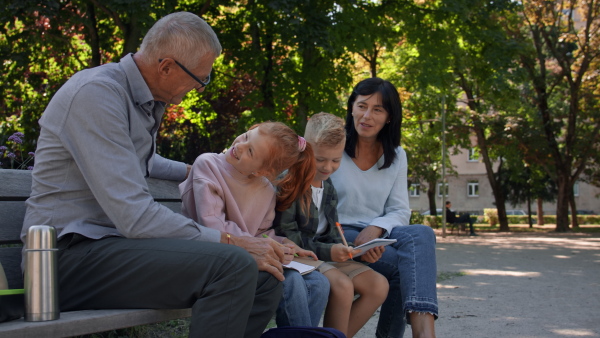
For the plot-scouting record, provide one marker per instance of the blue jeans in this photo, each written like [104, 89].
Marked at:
[410, 267]
[304, 299]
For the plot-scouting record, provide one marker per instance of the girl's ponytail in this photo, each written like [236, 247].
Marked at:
[292, 152]
[297, 182]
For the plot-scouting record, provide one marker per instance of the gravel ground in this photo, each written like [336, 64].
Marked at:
[516, 285]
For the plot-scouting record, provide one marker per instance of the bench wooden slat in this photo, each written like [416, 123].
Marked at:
[15, 188]
[11, 215]
[75, 323]
[15, 183]
[163, 190]
[11, 263]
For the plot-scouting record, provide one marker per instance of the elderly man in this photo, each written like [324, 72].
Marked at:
[117, 247]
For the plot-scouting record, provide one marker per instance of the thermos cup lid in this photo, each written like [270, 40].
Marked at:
[40, 237]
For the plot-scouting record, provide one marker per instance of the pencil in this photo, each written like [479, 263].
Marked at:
[339, 227]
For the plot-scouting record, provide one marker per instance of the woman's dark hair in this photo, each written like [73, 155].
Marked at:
[389, 136]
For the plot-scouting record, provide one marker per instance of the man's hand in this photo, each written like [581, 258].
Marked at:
[267, 253]
[369, 233]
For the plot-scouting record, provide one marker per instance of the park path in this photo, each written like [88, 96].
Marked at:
[516, 285]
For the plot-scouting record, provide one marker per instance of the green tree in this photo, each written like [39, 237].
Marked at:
[293, 51]
[460, 49]
[560, 58]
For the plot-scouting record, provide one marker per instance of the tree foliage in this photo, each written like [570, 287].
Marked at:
[561, 42]
[519, 77]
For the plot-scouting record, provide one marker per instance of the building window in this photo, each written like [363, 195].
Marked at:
[576, 189]
[473, 155]
[473, 189]
[439, 189]
[414, 190]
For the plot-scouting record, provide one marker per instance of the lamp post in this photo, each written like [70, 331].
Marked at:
[443, 167]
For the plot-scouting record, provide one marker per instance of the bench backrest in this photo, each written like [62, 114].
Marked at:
[15, 187]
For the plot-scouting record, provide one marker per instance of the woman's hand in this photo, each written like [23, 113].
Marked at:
[342, 253]
[373, 254]
[369, 233]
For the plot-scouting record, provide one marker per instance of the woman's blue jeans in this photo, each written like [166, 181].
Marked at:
[303, 300]
[410, 267]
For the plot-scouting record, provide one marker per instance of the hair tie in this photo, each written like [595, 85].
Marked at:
[301, 144]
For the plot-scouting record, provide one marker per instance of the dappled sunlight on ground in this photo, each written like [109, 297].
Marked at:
[501, 273]
[533, 285]
[575, 332]
[520, 241]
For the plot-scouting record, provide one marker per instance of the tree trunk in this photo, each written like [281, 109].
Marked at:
[94, 39]
[132, 36]
[574, 222]
[373, 61]
[431, 197]
[267, 83]
[480, 132]
[540, 211]
[562, 205]
[529, 211]
[497, 190]
[310, 61]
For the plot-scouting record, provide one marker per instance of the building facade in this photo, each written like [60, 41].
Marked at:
[470, 190]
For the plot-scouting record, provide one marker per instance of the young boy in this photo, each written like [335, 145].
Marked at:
[315, 230]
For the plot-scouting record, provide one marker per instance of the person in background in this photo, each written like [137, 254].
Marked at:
[232, 192]
[464, 218]
[373, 203]
[118, 248]
[315, 229]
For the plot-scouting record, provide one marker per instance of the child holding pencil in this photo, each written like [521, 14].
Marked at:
[233, 193]
[316, 230]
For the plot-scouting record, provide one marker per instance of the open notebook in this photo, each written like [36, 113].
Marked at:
[303, 265]
[373, 243]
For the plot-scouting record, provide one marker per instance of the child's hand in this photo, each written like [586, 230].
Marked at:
[373, 255]
[306, 253]
[342, 253]
[292, 251]
[298, 251]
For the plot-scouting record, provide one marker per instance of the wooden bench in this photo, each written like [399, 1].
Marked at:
[458, 226]
[15, 188]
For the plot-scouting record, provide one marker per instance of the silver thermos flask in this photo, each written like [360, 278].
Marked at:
[41, 274]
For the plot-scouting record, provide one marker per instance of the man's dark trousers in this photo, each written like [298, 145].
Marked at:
[221, 283]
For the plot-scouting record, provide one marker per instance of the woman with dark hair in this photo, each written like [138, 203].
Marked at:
[373, 203]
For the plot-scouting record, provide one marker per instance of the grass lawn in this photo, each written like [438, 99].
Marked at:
[585, 228]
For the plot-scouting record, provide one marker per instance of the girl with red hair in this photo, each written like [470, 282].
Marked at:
[237, 192]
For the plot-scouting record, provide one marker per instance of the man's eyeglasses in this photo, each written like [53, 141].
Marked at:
[201, 82]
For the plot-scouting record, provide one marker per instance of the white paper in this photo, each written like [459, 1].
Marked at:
[373, 243]
[300, 267]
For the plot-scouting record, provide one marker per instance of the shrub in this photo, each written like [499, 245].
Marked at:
[491, 216]
[432, 221]
[514, 219]
[416, 217]
[11, 155]
[589, 219]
